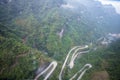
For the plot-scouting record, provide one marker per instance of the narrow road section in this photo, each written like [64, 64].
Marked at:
[50, 70]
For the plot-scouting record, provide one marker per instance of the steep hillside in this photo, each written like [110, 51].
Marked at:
[34, 33]
[17, 61]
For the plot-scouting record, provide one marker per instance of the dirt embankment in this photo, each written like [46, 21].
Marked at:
[101, 75]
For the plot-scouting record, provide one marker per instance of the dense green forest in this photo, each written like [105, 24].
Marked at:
[37, 32]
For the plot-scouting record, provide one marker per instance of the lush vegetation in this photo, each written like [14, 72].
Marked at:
[17, 61]
[33, 32]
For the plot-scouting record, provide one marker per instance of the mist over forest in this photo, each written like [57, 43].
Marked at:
[59, 40]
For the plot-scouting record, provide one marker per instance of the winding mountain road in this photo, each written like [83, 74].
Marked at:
[50, 69]
[82, 71]
[74, 56]
[75, 51]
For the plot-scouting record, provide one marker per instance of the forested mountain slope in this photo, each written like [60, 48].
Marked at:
[34, 32]
[17, 61]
